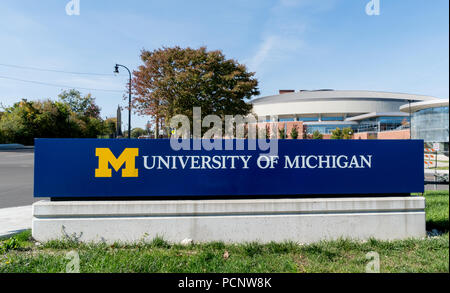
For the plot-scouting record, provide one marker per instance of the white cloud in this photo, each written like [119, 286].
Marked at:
[282, 36]
[262, 53]
[274, 48]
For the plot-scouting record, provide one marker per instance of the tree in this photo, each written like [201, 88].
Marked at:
[294, 132]
[281, 133]
[84, 112]
[2, 136]
[84, 106]
[111, 127]
[263, 130]
[148, 129]
[173, 80]
[317, 135]
[27, 120]
[347, 133]
[137, 132]
[337, 134]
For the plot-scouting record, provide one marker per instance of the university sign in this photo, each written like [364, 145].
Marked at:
[91, 168]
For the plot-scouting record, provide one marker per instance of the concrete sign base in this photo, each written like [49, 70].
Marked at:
[303, 220]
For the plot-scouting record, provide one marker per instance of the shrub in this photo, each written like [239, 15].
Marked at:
[27, 120]
[337, 134]
[294, 132]
[282, 133]
[317, 135]
[347, 133]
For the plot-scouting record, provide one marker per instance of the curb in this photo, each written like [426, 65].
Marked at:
[13, 146]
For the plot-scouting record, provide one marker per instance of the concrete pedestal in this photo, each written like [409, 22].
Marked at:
[262, 220]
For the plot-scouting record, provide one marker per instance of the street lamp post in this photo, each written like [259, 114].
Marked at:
[116, 70]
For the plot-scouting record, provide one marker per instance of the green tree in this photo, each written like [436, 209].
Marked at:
[2, 136]
[84, 106]
[85, 113]
[136, 132]
[281, 133]
[337, 134]
[111, 127]
[294, 132]
[27, 120]
[347, 133]
[174, 80]
[317, 135]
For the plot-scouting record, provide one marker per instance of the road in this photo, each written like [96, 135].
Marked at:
[16, 178]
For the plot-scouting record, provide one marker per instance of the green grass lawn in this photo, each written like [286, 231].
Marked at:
[437, 210]
[20, 254]
[441, 168]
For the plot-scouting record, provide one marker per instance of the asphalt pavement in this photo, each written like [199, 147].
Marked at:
[16, 178]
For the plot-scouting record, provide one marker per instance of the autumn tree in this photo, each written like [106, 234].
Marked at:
[173, 81]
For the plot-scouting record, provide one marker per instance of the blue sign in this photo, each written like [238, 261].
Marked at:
[99, 168]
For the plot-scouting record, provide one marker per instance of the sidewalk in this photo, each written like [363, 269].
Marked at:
[14, 220]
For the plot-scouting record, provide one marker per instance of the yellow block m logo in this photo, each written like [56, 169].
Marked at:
[106, 157]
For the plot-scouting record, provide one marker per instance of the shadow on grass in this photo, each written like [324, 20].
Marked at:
[440, 225]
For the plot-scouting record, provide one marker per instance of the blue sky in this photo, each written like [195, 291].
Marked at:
[290, 44]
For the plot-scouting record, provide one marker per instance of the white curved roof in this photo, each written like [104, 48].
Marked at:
[424, 105]
[328, 102]
[332, 94]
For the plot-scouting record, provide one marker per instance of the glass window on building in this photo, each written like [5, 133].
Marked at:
[308, 119]
[327, 129]
[383, 123]
[431, 125]
[337, 118]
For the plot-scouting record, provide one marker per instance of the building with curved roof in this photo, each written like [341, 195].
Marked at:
[429, 121]
[325, 110]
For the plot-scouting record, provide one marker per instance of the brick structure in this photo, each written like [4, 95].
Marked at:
[286, 91]
[365, 135]
[292, 124]
[396, 134]
[287, 126]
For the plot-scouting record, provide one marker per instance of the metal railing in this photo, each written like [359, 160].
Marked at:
[436, 161]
